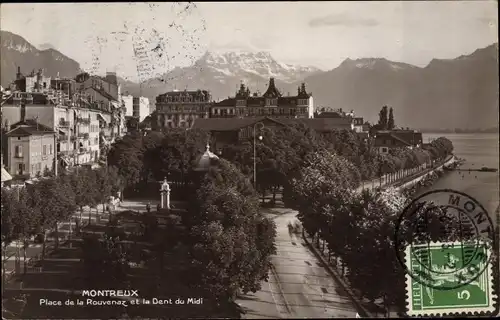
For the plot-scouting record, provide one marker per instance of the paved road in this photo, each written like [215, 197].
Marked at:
[299, 286]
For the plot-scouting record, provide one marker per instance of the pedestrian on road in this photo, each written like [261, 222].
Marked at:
[290, 228]
[148, 207]
[158, 207]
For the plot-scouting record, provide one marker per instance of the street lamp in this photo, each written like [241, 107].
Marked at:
[255, 152]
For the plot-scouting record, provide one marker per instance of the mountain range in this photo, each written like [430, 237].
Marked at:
[445, 94]
[16, 51]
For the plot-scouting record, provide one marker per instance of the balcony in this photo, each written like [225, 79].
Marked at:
[83, 136]
[18, 156]
[83, 120]
[64, 123]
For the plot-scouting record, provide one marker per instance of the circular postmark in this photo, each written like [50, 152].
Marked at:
[443, 239]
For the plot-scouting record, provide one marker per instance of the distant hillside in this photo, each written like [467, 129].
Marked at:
[448, 93]
[454, 93]
[222, 73]
[16, 51]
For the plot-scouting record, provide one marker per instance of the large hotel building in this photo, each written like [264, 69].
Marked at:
[272, 103]
[181, 108]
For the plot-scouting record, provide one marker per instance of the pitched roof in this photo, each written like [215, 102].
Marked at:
[229, 102]
[407, 137]
[5, 175]
[206, 160]
[323, 124]
[103, 93]
[272, 91]
[228, 124]
[231, 124]
[28, 128]
[328, 114]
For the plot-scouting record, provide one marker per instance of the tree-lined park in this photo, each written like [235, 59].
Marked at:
[220, 242]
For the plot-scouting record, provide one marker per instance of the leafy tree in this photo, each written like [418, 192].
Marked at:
[127, 155]
[56, 202]
[105, 261]
[383, 121]
[232, 241]
[390, 122]
[327, 180]
[84, 187]
[18, 220]
[177, 153]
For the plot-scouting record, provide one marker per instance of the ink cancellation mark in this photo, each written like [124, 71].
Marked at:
[446, 250]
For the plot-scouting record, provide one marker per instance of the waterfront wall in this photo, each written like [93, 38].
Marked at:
[423, 176]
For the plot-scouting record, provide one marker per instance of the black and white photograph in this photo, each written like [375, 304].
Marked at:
[250, 160]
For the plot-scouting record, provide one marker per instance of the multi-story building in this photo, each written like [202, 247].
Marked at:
[358, 123]
[108, 84]
[179, 109]
[80, 118]
[40, 108]
[272, 104]
[140, 108]
[30, 148]
[391, 139]
[34, 82]
[128, 103]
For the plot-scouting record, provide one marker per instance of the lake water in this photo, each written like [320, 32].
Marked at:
[479, 150]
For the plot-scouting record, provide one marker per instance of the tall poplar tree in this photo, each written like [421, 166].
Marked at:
[390, 123]
[382, 121]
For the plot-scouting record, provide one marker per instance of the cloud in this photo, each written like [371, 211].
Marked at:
[342, 20]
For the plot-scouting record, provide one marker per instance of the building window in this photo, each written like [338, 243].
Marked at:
[44, 152]
[20, 168]
[19, 151]
[384, 150]
[50, 149]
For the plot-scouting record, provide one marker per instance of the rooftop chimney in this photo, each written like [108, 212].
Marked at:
[23, 111]
[111, 78]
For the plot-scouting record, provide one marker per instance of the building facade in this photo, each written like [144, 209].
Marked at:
[230, 131]
[392, 139]
[271, 104]
[180, 109]
[128, 104]
[140, 108]
[31, 149]
[82, 118]
[108, 84]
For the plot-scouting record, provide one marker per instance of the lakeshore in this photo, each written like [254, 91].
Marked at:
[478, 150]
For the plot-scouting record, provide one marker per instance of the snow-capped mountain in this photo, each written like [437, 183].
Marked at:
[16, 51]
[261, 64]
[222, 73]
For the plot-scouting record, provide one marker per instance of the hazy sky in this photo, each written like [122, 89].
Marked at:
[103, 36]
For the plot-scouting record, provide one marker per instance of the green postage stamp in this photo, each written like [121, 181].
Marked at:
[446, 278]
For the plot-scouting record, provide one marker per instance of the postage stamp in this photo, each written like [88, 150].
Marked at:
[444, 241]
[448, 288]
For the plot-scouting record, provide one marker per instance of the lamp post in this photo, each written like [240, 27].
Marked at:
[255, 153]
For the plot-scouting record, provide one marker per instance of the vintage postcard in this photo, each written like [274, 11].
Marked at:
[259, 160]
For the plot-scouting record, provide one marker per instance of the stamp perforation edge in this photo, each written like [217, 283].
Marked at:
[487, 310]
